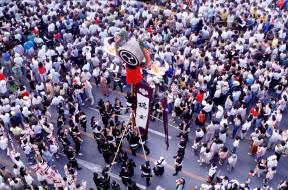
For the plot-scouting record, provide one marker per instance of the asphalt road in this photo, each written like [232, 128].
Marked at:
[92, 161]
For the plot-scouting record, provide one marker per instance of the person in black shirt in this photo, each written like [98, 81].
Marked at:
[106, 151]
[76, 136]
[146, 172]
[83, 120]
[62, 136]
[125, 175]
[117, 81]
[178, 164]
[117, 109]
[115, 186]
[130, 166]
[70, 153]
[106, 181]
[133, 141]
[132, 186]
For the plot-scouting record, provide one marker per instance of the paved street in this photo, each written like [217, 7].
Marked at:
[92, 161]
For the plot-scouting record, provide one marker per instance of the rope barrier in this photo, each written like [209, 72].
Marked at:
[118, 148]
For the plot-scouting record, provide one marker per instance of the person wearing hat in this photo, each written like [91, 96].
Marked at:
[159, 166]
[146, 172]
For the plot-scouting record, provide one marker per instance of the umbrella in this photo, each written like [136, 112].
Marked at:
[31, 37]
[28, 45]
[38, 40]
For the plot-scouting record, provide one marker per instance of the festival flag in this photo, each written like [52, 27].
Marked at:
[143, 99]
[165, 119]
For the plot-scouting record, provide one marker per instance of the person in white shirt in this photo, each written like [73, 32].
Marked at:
[88, 90]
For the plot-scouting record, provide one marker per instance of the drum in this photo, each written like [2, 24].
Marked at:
[131, 53]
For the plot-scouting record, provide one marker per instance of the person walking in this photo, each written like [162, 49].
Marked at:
[146, 172]
[212, 172]
[103, 82]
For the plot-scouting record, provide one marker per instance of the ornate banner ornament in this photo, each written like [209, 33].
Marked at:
[134, 53]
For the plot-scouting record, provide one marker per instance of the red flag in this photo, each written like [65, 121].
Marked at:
[133, 76]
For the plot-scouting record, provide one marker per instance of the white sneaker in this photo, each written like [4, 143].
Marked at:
[80, 154]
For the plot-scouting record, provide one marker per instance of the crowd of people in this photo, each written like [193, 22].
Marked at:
[227, 77]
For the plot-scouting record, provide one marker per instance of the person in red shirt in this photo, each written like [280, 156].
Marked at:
[42, 71]
[200, 119]
[198, 101]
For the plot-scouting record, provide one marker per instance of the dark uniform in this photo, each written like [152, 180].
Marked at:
[117, 133]
[76, 136]
[178, 165]
[117, 81]
[63, 139]
[181, 147]
[99, 136]
[146, 172]
[106, 151]
[70, 153]
[143, 143]
[133, 141]
[130, 166]
[125, 175]
[98, 181]
[115, 186]
[132, 186]
[117, 110]
[106, 182]
[104, 115]
[83, 120]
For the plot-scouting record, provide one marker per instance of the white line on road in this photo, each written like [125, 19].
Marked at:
[158, 133]
[97, 168]
[150, 130]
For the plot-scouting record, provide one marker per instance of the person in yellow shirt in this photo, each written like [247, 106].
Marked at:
[275, 42]
[223, 15]
[16, 131]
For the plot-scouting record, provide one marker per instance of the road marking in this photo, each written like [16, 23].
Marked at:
[98, 168]
[150, 130]
[158, 133]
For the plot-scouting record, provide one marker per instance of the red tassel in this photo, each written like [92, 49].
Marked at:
[133, 76]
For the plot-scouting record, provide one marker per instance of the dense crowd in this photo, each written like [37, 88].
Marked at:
[227, 76]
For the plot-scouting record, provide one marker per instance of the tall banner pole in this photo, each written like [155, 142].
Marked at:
[133, 111]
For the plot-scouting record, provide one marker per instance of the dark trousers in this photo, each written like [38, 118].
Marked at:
[178, 169]
[147, 181]
[74, 163]
[106, 157]
[77, 146]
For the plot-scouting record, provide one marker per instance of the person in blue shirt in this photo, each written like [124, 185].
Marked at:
[6, 58]
[170, 74]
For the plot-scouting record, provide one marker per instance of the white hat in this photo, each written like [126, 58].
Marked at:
[12, 112]
[161, 158]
